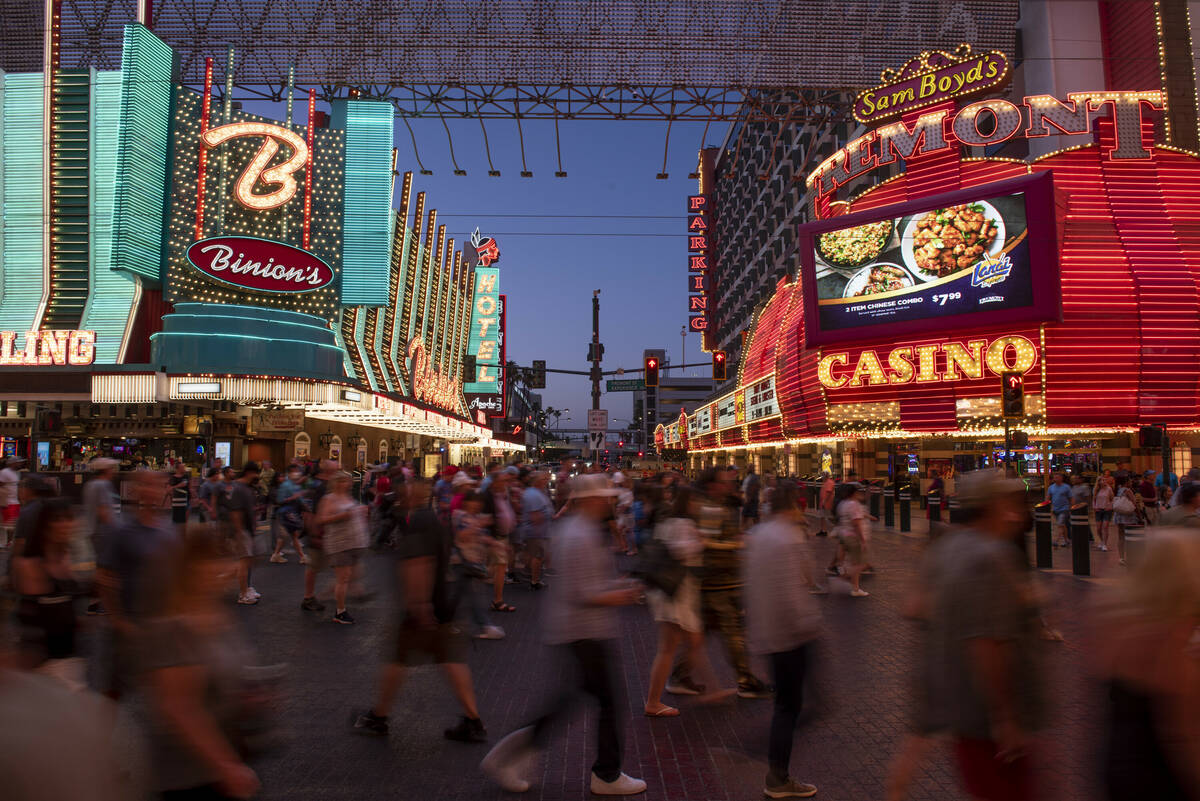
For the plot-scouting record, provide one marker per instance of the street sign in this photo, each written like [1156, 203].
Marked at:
[596, 441]
[597, 420]
[627, 385]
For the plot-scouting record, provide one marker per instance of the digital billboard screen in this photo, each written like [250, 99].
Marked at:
[967, 258]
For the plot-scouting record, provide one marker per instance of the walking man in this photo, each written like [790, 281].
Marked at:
[583, 620]
[241, 506]
[783, 620]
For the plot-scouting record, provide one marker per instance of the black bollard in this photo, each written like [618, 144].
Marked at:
[889, 507]
[935, 509]
[906, 509]
[1042, 534]
[1135, 544]
[875, 493]
[1081, 535]
[953, 509]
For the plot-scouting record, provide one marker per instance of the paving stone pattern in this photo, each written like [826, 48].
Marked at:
[857, 710]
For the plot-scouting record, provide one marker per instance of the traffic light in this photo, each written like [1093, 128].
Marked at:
[719, 365]
[539, 374]
[1012, 401]
[651, 371]
[1150, 437]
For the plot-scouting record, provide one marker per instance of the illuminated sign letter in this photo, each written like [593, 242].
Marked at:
[1070, 117]
[825, 370]
[926, 136]
[926, 363]
[969, 359]
[900, 363]
[1024, 351]
[698, 303]
[1127, 118]
[868, 368]
[1005, 116]
[697, 263]
[280, 174]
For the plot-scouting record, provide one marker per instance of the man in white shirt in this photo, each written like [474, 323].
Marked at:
[10, 506]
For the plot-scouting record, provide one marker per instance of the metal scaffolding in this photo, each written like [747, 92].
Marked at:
[533, 59]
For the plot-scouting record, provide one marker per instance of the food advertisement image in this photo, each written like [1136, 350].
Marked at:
[964, 254]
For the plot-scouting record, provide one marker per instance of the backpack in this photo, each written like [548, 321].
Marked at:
[658, 568]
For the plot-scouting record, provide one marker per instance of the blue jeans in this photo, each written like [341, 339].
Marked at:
[471, 593]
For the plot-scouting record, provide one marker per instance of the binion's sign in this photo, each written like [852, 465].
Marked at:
[989, 122]
[260, 265]
[428, 384]
[48, 348]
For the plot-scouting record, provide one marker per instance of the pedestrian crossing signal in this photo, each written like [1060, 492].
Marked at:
[719, 361]
[651, 371]
[1012, 398]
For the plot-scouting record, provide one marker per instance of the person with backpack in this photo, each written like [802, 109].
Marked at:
[678, 613]
[427, 621]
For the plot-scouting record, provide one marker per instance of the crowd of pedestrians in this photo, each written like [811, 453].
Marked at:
[730, 555]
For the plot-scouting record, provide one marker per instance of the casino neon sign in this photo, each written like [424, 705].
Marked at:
[1038, 115]
[908, 364]
[49, 348]
[258, 170]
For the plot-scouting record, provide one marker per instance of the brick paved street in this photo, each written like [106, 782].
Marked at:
[857, 716]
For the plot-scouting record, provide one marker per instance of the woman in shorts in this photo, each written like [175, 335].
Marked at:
[853, 532]
[345, 525]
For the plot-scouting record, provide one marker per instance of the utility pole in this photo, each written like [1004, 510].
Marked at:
[596, 374]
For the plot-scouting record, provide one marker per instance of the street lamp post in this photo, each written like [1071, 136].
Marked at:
[682, 348]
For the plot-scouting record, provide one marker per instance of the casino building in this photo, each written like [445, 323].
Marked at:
[988, 220]
[180, 278]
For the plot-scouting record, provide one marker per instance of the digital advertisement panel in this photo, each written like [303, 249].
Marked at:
[974, 257]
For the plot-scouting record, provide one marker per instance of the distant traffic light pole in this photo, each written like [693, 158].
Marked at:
[596, 351]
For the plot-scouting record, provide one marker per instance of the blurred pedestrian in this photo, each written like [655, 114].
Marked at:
[853, 534]
[239, 511]
[195, 662]
[344, 522]
[10, 504]
[719, 524]
[289, 514]
[985, 626]
[1187, 512]
[1125, 512]
[314, 491]
[678, 615]
[471, 546]
[1059, 495]
[210, 494]
[751, 498]
[47, 586]
[782, 623]
[99, 499]
[825, 505]
[582, 619]
[1102, 502]
[502, 522]
[537, 511]
[1149, 650]
[426, 625]
[179, 489]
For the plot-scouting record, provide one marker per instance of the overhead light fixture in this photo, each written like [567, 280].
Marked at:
[460, 172]
[199, 387]
[493, 173]
[693, 176]
[526, 174]
[662, 176]
[426, 172]
[560, 174]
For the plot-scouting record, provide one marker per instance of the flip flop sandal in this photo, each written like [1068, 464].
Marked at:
[665, 712]
[502, 607]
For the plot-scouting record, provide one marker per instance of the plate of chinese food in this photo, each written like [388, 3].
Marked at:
[943, 241]
[875, 279]
[847, 248]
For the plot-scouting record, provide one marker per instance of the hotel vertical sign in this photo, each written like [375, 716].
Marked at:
[485, 395]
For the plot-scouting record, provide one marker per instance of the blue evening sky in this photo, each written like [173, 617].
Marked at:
[550, 261]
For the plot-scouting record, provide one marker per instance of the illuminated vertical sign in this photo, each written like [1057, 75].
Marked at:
[484, 394]
[698, 245]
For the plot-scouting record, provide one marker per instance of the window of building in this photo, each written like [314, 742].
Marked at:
[1181, 458]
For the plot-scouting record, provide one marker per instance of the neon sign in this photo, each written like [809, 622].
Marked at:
[1037, 115]
[920, 364]
[485, 395]
[698, 319]
[257, 170]
[930, 78]
[49, 348]
[428, 384]
[487, 252]
[261, 265]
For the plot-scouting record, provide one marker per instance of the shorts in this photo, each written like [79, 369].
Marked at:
[11, 513]
[347, 558]
[444, 644]
[854, 549]
[241, 545]
[1104, 515]
[535, 548]
[290, 520]
[179, 514]
[1063, 518]
[317, 561]
[991, 779]
[498, 555]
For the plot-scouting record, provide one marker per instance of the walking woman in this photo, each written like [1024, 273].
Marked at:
[195, 664]
[1102, 502]
[853, 532]
[1124, 512]
[43, 579]
[678, 616]
[344, 521]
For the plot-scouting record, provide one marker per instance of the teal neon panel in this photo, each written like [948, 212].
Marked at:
[145, 132]
[110, 301]
[484, 340]
[21, 165]
[366, 240]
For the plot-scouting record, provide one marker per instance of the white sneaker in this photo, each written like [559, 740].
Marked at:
[624, 785]
[509, 760]
[859, 593]
[1104, 548]
[247, 599]
[253, 593]
[490, 633]
[278, 559]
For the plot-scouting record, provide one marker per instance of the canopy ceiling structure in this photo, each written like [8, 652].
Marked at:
[706, 60]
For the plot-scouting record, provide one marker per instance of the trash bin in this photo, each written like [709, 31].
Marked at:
[1042, 519]
[1081, 536]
